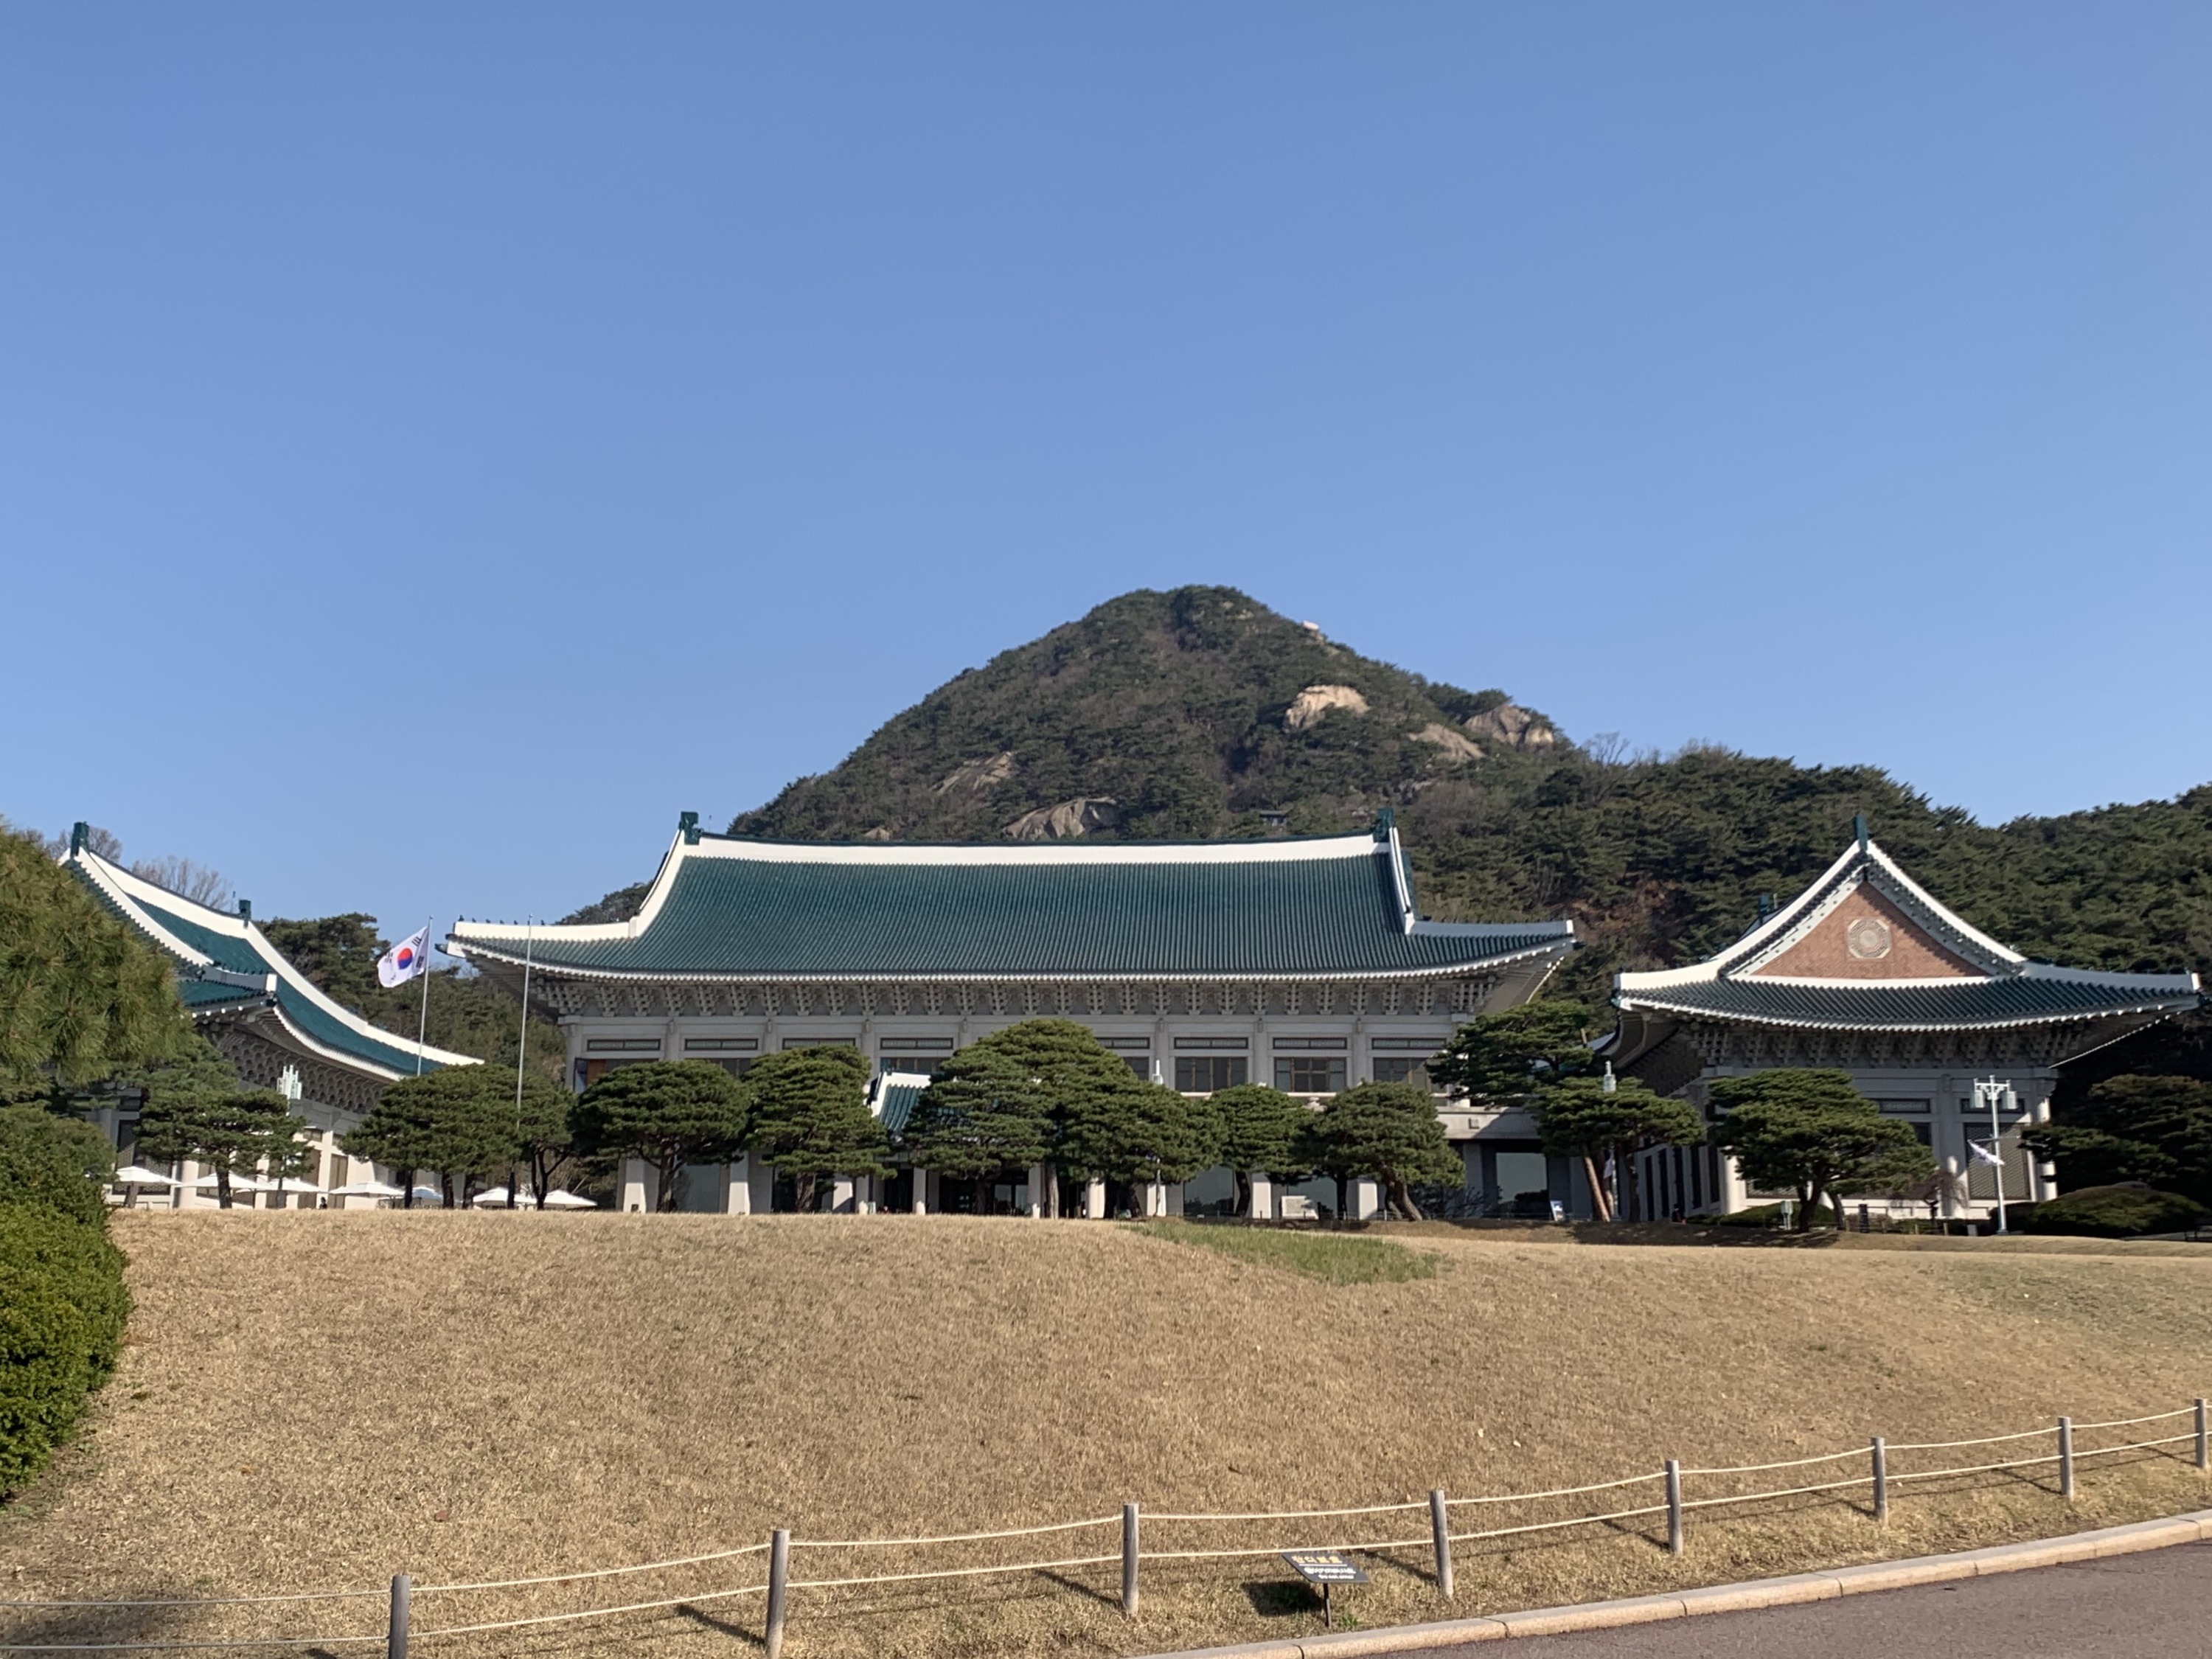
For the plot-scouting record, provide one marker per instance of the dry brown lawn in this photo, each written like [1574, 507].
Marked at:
[314, 1401]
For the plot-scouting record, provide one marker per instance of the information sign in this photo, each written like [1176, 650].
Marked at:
[1328, 1569]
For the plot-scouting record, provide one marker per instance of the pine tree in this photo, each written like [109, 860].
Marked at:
[808, 1113]
[1262, 1129]
[1580, 1117]
[668, 1112]
[195, 1108]
[1810, 1131]
[1389, 1133]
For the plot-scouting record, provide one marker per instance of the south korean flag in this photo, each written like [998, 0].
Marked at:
[405, 960]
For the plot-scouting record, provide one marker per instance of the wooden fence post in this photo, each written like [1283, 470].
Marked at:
[779, 1585]
[2203, 1443]
[2066, 1458]
[1440, 1529]
[395, 1632]
[1128, 1561]
[1674, 1506]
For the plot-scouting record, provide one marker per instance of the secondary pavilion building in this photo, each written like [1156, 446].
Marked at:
[1865, 971]
[270, 1021]
[1299, 962]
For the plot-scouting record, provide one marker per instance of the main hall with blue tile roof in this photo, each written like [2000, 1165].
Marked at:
[1302, 963]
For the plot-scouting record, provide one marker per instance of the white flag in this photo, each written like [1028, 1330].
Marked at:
[405, 960]
[1984, 1153]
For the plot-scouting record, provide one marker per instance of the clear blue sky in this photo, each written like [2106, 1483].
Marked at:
[437, 443]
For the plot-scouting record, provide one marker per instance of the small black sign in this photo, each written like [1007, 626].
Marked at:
[1324, 1567]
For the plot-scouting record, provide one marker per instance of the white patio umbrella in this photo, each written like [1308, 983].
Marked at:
[562, 1199]
[368, 1189]
[494, 1198]
[240, 1182]
[137, 1175]
[428, 1196]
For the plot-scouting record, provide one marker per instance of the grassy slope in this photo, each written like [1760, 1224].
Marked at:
[324, 1399]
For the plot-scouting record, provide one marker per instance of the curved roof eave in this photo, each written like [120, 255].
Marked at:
[1816, 1023]
[473, 950]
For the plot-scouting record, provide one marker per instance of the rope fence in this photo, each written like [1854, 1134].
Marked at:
[400, 1628]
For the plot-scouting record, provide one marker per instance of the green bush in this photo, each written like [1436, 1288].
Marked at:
[63, 1303]
[62, 1163]
[46, 1348]
[2124, 1211]
[1761, 1215]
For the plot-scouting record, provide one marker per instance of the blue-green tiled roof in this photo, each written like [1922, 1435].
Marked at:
[249, 954]
[896, 1105]
[725, 913]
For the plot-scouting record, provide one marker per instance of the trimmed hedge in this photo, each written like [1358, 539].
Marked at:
[63, 1303]
[2124, 1211]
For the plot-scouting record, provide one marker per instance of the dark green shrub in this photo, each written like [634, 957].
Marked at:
[1761, 1215]
[59, 1162]
[2124, 1211]
[79, 1263]
[63, 1302]
[46, 1367]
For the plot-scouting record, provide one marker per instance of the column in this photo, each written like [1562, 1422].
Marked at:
[1094, 1200]
[736, 1187]
[1172, 1193]
[1366, 1199]
[1036, 1191]
[920, 1202]
[935, 1188]
[1263, 1196]
[760, 1185]
[634, 1186]
[843, 1199]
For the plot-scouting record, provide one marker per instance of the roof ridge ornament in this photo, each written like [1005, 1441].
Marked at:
[1385, 821]
[1859, 829]
[78, 833]
[687, 826]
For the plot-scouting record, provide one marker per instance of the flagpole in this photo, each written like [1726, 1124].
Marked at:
[422, 1024]
[521, 1050]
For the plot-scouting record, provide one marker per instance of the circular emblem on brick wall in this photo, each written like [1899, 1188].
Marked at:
[1867, 938]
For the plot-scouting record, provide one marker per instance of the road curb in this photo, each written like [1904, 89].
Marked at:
[2195, 1527]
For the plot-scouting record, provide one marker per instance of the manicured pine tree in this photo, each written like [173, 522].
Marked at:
[1809, 1131]
[1262, 1129]
[809, 1117]
[1579, 1117]
[1503, 1057]
[1389, 1133]
[458, 1121]
[1127, 1130]
[668, 1112]
[983, 1114]
[195, 1108]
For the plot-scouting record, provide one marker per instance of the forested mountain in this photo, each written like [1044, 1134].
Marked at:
[1200, 713]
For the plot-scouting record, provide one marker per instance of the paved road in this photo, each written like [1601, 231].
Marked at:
[2157, 1605]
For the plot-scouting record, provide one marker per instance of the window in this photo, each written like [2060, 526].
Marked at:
[821, 1042]
[1213, 1042]
[736, 1067]
[337, 1169]
[1136, 1053]
[891, 1045]
[1202, 1074]
[1317, 1075]
[621, 1045]
[1400, 1068]
[720, 1045]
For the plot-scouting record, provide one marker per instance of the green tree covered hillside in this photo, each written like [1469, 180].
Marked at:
[1200, 713]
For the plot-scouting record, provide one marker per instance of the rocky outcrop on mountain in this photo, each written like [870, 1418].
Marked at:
[1310, 705]
[1510, 723]
[1069, 818]
[1454, 743]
